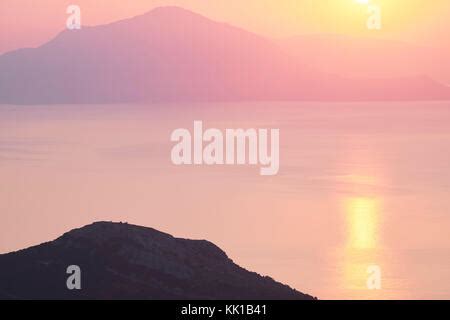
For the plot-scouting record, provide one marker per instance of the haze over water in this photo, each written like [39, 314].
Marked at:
[360, 184]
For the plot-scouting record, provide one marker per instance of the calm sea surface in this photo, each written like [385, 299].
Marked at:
[361, 186]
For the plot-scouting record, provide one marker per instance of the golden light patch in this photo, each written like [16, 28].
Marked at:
[362, 220]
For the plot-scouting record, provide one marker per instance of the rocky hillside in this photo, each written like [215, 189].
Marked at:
[122, 261]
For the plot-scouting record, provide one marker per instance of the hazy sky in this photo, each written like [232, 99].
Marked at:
[28, 23]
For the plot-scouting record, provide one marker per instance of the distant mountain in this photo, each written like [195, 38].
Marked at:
[122, 261]
[365, 57]
[171, 54]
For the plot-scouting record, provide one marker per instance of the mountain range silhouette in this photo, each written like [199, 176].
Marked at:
[172, 54]
[123, 261]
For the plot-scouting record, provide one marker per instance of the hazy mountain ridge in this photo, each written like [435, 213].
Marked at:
[370, 57]
[172, 54]
[122, 261]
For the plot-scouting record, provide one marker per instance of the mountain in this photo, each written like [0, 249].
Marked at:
[122, 261]
[172, 54]
[361, 57]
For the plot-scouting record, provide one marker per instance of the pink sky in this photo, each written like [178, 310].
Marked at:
[28, 23]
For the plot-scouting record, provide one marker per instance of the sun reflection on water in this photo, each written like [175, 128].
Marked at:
[362, 250]
[362, 216]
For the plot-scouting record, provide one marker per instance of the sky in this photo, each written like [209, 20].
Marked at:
[29, 23]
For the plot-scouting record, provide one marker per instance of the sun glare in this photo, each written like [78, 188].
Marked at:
[362, 217]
